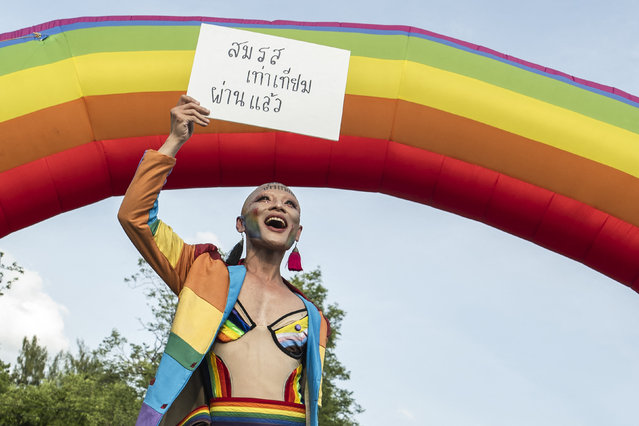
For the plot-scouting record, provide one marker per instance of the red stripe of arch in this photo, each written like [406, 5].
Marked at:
[83, 175]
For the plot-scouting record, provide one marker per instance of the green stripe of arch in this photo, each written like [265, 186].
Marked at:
[182, 352]
[528, 83]
[394, 47]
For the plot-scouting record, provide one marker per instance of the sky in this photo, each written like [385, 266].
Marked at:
[449, 321]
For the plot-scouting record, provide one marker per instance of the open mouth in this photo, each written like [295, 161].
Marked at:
[275, 222]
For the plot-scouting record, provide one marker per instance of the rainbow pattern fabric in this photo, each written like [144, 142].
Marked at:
[201, 415]
[234, 327]
[530, 150]
[293, 388]
[220, 377]
[247, 411]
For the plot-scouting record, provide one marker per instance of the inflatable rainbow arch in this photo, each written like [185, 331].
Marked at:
[532, 151]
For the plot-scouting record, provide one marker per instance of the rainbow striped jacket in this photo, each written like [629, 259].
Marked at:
[207, 290]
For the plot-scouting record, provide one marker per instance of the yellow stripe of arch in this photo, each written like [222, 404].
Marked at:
[497, 107]
[107, 73]
[128, 72]
[120, 72]
[193, 320]
[169, 243]
[37, 88]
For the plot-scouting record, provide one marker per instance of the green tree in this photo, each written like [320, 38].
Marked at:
[338, 404]
[5, 377]
[138, 362]
[31, 363]
[14, 267]
[71, 399]
[79, 389]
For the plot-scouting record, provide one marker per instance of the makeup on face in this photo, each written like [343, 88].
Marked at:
[251, 224]
[271, 207]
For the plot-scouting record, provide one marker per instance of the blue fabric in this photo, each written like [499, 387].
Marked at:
[170, 377]
[153, 214]
[313, 360]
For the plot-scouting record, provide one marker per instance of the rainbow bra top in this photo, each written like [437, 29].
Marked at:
[289, 336]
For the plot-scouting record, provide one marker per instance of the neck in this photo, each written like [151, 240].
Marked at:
[264, 263]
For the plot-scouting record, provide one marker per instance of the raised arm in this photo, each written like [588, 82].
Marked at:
[163, 249]
[183, 115]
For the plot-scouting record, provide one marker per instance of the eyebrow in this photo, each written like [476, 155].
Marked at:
[281, 187]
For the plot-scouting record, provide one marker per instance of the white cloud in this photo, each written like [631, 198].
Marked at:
[27, 310]
[206, 237]
[406, 414]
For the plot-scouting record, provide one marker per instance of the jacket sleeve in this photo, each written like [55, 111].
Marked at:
[163, 249]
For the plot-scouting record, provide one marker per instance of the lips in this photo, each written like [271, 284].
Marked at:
[276, 222]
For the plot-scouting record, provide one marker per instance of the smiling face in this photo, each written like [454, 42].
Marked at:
[271, 217]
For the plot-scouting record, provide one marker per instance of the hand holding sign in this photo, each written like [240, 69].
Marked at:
[184, 115]
[270, 81]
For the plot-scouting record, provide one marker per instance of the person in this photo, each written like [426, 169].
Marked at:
[245, 346]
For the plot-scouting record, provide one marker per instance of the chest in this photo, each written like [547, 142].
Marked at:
[267, 302]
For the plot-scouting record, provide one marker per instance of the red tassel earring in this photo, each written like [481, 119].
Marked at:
[294, 260]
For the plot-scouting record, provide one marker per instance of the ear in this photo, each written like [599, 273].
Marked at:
[299, 232]
[239, 224]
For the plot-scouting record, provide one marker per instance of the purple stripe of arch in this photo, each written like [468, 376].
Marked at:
[86, 22]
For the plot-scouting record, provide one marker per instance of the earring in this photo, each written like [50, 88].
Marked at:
[236, 254]
[294, 262]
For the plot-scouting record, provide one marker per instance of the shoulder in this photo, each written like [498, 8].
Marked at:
[208, 249]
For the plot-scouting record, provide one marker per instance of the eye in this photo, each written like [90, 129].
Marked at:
[262, 198]
[291, 203]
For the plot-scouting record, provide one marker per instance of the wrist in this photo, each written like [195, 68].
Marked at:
[171, 146]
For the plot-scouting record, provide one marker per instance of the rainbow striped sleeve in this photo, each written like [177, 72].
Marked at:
[162, 248]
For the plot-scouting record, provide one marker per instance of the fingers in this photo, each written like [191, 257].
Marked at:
[189, 115]
[189, 102]
[197, 117]
[190, 112]
[184, 99]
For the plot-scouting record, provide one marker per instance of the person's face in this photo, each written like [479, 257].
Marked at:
[271, 217]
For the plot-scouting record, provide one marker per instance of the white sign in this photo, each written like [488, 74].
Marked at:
[270, 81]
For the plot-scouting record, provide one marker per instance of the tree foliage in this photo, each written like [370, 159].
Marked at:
[32, 360]
[77, 389]
[138, 362]
[15, 268]
[338, 404]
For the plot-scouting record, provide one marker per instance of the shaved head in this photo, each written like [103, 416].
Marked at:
[265, 187]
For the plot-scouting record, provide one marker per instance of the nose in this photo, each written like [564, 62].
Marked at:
[277, 205]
